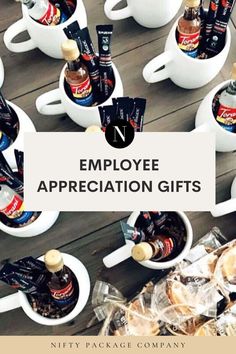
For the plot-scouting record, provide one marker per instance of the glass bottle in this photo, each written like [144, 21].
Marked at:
[61, 284]
[189, 28]
[76, 74]
[226, 113]
[45, 12]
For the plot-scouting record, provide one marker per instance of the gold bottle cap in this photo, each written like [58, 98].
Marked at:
[93, 129]
[53, 261]
[192, 3]
[142, 252]
[70, 50]
[233, 74]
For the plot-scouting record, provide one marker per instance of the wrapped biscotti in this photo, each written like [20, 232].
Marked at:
[182, 302]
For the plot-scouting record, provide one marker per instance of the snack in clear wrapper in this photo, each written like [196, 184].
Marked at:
[141, 326]
[207, 329]
[187, 301]
[207, 244]
[225, 271]
[224, 325]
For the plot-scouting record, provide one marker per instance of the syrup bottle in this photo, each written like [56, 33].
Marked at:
[12, 206]
[45, 12]
[61, 284]
[226, 113]
[189, 28]
[76, 74]
[157, 249]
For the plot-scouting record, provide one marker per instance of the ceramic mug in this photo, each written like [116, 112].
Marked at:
[226, 207]
[184, 71]
[47, 38]
[206, 122]
[1, 73]
[149, 13]
[43, 223]
[84, 116]
[124, 252]
[19, 299]
[25, 126]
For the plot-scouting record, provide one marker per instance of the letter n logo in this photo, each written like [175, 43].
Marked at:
[119, 134]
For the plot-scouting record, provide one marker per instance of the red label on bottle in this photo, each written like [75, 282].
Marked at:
[63, 294]
[188, 42]
[14, 209]
[226, 115]
[81, 90]
[166, 246]
[52, 16]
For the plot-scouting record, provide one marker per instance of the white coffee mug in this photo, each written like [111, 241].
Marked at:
[19, 299]
[149, 13]
[43, 223]
[206, 122]
[1, 73]
[124, 252]
[84, 116]
[226, 207]
[184, 71]
[47, 38]
[25, 126]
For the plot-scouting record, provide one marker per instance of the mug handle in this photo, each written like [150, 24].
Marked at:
[224, 208]
[150, 72]
[12, 32]
[118, 256]
[43, 103]
[10, 302]
[116, 14]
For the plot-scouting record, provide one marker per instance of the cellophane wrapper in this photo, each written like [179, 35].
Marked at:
[196, 293]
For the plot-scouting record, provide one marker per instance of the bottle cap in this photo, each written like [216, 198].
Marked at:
[93, 129]
[233, 74]
[192, 3]
[53, 261]
[70, 50]
[142, 252]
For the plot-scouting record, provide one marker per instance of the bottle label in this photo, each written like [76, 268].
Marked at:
[5, 141]
[15, 211]
[82, 93]
[166, 247]
[226, 116]
[63, 296]
[189, 43]
[53, 16]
